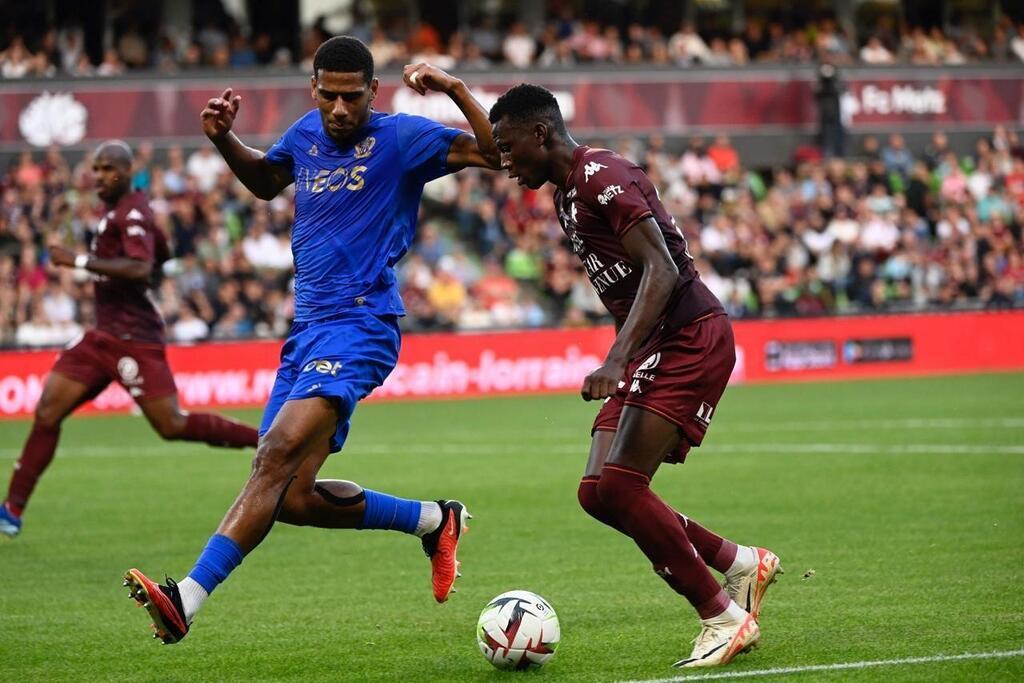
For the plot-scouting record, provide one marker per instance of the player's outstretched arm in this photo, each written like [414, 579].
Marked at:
[646, 248]
[466, 150]
[262, 178]
[120, 268]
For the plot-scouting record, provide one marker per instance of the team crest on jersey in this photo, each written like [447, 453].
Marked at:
[364, 148]
[590, 169]
[312, 151]
[134, 215]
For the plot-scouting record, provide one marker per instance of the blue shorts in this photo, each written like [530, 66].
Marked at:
[343, 359]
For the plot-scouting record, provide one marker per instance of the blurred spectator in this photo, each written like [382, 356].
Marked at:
[491, 37]
[189, 327]
[519, 46]
[896, 157]
[874, 52]
[206, 166]
[886, 231]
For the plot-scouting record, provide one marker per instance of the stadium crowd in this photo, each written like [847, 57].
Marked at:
[564, 40]
[886, 230]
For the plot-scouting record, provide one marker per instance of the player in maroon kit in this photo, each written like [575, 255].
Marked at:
[664, 374]
[127, 345]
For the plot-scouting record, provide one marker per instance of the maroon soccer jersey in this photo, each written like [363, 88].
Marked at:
[123, 307]
[605, 196]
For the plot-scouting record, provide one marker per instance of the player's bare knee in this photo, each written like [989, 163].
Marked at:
[47, 414]
[278, 455]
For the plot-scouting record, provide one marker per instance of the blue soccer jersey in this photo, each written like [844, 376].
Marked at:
[356, 206]
[355, 214]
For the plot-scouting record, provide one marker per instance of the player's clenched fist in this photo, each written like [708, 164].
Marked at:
[219, 114]
[604, 381]
[422, 77]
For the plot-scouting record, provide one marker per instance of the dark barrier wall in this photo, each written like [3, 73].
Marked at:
[746, 103]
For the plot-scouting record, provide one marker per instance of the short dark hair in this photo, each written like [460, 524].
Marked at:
[526, 102]
[343, 54]
[117, 151]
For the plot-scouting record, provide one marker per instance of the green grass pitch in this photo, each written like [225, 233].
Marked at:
[905, 498]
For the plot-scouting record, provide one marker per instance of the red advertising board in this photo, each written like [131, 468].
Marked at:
[541, 361]
[81, 113]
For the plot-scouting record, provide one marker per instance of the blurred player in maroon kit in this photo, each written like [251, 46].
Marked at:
[664, 374]
[127, 345]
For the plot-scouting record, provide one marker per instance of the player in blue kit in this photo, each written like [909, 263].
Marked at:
[358, 178]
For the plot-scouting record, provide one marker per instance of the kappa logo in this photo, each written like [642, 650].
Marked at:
[312, 151]
[651, 362]
[590, 169]
[134, 215]
[704, 413]
[608, 194]
[364, 148]
[324, 367]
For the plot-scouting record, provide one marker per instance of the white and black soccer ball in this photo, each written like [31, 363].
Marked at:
[518, 630]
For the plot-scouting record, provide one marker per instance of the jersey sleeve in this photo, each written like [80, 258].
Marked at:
[280, 153]
[613, 192]
[138, 238]
[424, 146]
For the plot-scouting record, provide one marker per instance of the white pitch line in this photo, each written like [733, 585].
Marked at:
[880, 424]
[835, 667]
[484, 448]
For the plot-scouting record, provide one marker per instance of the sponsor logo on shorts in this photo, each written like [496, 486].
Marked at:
[128, 369]
[324, 367]
[704, 413]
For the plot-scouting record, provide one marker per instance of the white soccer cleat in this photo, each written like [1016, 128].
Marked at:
[748, 589]
[718, 644]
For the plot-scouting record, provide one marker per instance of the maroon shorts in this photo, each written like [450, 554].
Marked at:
[680, 377]
[98, 359]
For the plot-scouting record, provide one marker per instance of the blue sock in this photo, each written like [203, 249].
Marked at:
[387, 512]
[219, 557]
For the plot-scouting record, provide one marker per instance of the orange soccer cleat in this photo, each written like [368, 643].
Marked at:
[440, 546]
[163, 604]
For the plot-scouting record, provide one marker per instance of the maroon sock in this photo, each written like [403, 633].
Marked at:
[593, 506]
[655, 528]
[717, 552]
[219, 431]
[35, 458]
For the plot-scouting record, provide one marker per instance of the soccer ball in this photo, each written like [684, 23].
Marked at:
[518, 630]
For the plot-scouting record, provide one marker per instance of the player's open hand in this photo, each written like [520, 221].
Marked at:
[219, 115]
[604, 381]
[422, 77]
[61, 256]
